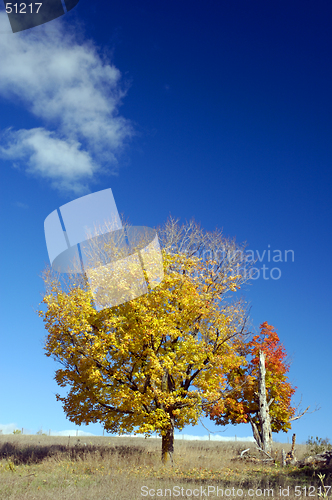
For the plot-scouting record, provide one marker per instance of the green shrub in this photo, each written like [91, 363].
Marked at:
[41, 433]
[318, 445]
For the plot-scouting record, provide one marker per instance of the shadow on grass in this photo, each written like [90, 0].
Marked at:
[311, 471]
[33, 454]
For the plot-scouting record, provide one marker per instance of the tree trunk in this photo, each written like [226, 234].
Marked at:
[264, 414]
[167, 446]
[256, 433]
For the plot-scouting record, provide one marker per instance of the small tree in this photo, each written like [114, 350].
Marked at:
[158, 362]
[259, 391]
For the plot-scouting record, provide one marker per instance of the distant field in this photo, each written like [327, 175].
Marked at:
[112, 468]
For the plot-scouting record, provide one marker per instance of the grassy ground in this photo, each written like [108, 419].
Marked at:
[100, 468]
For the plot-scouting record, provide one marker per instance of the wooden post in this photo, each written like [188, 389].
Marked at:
[290, 458]
[293, 445]
[283, 458]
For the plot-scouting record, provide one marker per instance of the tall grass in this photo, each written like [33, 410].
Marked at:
[100, 468]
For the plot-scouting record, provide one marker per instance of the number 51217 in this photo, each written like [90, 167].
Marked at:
[20, 8]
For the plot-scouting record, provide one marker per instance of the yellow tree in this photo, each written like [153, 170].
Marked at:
[158, 362]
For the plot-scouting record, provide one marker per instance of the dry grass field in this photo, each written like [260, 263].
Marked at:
[113, 468]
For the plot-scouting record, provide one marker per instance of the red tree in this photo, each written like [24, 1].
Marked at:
[242, 402]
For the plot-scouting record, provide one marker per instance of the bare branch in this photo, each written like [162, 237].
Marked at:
[211, 432]
[267, 454]
[303, 413]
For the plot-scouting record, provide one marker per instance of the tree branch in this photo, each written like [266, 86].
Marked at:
[303, 413]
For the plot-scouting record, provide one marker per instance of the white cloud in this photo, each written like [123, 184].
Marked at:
[65, 82]
[71, 433]
[190, 437]
[61, 161]
[213, 437]
[8, 428]
[19, 204]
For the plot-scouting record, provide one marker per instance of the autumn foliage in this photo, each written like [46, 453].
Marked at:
[155, 363]
[241, 405]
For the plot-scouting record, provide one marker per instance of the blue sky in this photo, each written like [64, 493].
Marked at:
[218, 111]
